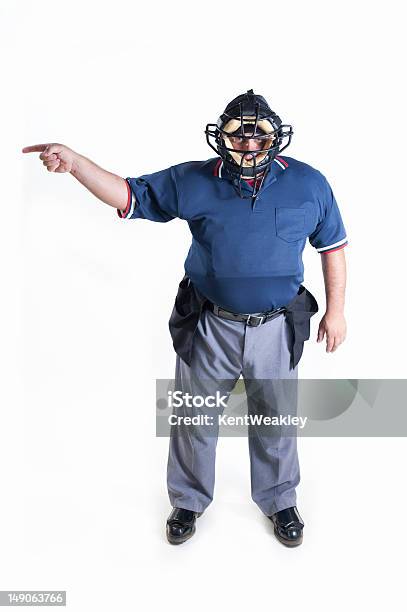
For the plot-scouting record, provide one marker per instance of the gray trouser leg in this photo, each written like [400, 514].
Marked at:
[192, 453]
[222, 351]
[271, 388]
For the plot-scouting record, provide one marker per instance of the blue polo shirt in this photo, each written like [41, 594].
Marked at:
[245, 256]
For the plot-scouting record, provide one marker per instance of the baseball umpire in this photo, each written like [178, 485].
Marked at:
[241, 308]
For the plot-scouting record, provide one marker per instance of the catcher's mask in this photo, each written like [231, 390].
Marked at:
[248, 136]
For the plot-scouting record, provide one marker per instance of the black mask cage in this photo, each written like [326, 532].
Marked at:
[251, 119]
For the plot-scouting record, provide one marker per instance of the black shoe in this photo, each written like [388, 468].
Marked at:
[288, 526]
[181, 525]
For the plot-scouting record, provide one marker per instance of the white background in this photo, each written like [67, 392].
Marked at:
[83, 492]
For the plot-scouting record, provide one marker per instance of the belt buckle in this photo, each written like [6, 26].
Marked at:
[250, 317]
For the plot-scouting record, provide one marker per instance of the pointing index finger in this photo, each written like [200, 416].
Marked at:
[34, 148]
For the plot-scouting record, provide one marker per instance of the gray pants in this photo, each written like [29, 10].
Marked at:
[222, 351]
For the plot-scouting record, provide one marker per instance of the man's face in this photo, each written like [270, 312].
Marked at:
[249, 143]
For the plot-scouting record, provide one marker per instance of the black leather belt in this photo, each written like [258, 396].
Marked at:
[253, 320]
[190, 302]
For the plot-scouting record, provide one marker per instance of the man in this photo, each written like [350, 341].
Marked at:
[241, 308]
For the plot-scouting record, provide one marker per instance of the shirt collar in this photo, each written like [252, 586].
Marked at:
[277, 167]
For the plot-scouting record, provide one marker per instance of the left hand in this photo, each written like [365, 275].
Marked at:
[334, 326]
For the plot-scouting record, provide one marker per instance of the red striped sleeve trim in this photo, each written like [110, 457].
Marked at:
[335, 249]
[123, 213]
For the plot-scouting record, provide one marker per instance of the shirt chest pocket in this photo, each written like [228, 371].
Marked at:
[291, 223]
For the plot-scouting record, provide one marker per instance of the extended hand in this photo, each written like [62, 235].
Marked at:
[56, 157]
[334, 326]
